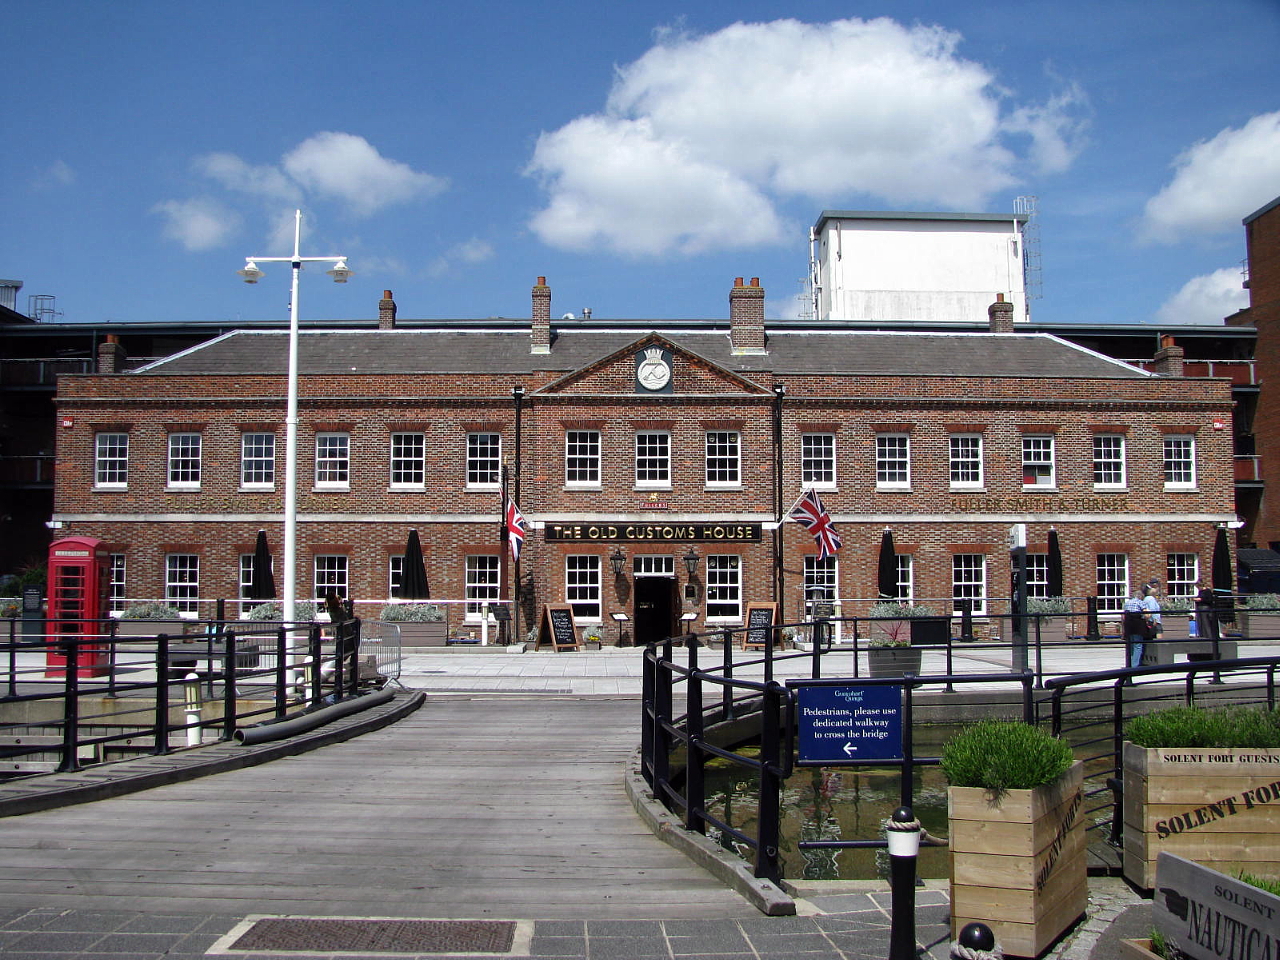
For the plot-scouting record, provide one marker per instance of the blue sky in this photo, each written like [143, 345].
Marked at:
[638, 155]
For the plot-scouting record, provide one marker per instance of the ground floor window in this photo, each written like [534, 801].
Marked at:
[182, 581]
[969, 581]
[582, 585]
[1037, 575]
[116, 593]
[1182, 570]
[482, 583]
[332, 575]
[724, 587]
[819, 581]
[1113, 581]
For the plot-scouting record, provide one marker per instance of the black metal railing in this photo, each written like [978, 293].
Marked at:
[90, 697]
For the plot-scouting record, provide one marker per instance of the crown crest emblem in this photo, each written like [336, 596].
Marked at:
[654, 354]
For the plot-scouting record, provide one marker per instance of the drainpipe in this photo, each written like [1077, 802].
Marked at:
[779, 392]
[517, 395]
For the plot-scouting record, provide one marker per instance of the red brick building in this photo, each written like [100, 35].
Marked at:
[636, 450]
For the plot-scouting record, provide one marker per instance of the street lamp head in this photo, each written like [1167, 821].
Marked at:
[251, 273]
[340, 273]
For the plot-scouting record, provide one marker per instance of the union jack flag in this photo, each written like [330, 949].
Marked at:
[812, 515]
[516, 527]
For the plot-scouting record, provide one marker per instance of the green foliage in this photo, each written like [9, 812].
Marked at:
[1262, 601]
[411, 613]
[901, 610]
[999, 755]
[151, 610]
[1195, 727]
[1049, 606]
[1270, 885]
[303, 610]
[1177, 604]
[1159, 945]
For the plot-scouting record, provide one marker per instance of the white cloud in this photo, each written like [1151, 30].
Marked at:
[57, 174]
[197, 224]
[236, 175]
[349, 168]
[1217, 183]
[703, 134]
[468, 252]
[1206, 299]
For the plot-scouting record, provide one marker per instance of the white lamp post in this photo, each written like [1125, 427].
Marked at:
[252, 274]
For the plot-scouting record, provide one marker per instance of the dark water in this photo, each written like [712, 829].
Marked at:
[838, 803]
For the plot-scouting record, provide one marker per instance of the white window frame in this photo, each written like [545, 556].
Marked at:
[1111, 576]
[257, 461]
[723, 459]
[906, 585]
[724, 588]
[965, 461]
[117, 568]
[484, 460]
[330, 571]
[1181, 573]
[893, 461]
[1038, 453]
[182, 582]
[1109, 461]
[652, 459]
[482, 582]
[821, 581]
[1179, 461]
[244, 584]
[395, 575]
[818, 461]
[183, 463]
[583, 579]
[969, 581]
[582, 459]
[408, 460]
[1037, 575]
[111, 461]
[333, 460]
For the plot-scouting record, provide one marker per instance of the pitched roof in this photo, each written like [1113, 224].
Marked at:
[790, 353]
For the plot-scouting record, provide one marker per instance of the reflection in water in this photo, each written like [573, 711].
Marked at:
[833, 803]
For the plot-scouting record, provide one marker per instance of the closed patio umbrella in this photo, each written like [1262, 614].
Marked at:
[262, 585]
[887, 569]
[1222, 579]
[413, 581]
[1053, 564]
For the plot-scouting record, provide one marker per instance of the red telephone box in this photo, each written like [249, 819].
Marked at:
[79, 579]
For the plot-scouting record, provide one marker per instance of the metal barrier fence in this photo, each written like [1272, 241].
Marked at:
[693, 713]
[66, 702]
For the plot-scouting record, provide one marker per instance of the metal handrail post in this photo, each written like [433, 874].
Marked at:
[13, 657]
[161, 743]
[647, 685]
[906, 785]
[314, 670]
[1028, 700]
[950, 686]
[661, 717]
[767, 828]
[71, 710]
[282, 672]
[1039, 619]
[726, 695]
[695, 797]
[820, 628]
[111, 663]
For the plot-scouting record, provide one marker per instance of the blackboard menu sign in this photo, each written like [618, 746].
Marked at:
[760, 620]
[558, 629]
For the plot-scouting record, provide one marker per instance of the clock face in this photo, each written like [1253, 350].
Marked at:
[653, 373]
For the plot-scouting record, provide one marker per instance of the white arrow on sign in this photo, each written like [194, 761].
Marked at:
[850, 749]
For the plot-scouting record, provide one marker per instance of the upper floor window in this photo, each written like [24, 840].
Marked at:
[333, 461]
[582, 458]
[966, 460]
[723, 458]
[111, 460]
[184, 460]
[258, 460]
[818, 460]
[408, 461]
[1037, 461]
[653, 459]
[893, 461]
[182, 581]
[1179, 461]
[1108, 460]
[484, 460]
[724, 587]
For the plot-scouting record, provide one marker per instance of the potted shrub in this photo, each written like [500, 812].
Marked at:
[1175, 618]
[889, 650]
[1054, 616]
[1259, 616]
[148, 618]
[1194, 785]
[421, 624]
[1016, 834]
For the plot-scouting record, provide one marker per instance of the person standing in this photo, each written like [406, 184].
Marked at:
[1151, 605]
[1135, 626]
[1206, 614]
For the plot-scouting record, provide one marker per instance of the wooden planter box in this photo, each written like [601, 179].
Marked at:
[1255, 624]
[153, 628]
[420, 633]
[1217, 806]
[1018, 862]
[1137, 950]
[893, 661]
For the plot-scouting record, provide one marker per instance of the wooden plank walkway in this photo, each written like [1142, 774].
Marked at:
[504, 807]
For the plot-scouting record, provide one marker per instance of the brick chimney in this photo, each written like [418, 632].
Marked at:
[1000, 315]
[386, 312]
[746, 317]
[1168, 359]
[540, 341]
[110, 355]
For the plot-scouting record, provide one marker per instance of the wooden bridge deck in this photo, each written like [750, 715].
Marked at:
[504, 807]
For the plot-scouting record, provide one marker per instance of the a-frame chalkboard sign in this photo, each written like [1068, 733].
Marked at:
[558, 630]
[760, 620]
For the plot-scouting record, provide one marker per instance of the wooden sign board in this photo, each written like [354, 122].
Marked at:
[558, 630]
[760, 620]
[1208, 915]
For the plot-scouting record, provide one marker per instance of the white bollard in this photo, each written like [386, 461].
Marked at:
[191, 694]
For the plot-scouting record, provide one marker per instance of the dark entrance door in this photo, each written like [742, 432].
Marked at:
[655, 609]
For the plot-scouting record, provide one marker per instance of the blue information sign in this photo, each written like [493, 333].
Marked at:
[855, 724]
